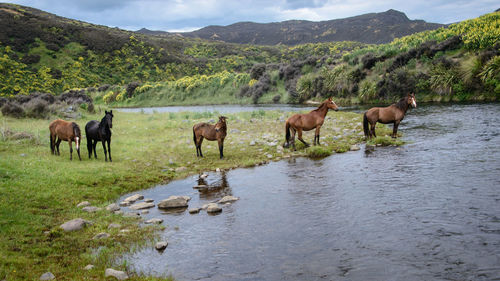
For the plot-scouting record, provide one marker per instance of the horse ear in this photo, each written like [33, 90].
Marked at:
[105, 112]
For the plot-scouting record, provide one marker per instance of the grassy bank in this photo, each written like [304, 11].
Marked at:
[40, 191]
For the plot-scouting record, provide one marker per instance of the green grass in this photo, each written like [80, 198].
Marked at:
[40, 191]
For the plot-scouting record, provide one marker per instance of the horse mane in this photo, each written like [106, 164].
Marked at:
[320, 106]
[402, 103]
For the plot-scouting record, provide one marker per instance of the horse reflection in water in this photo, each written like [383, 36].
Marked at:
[214, 190]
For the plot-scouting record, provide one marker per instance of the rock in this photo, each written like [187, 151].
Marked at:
[269, 156]
[213, 208]
[120, 275]
[217, 170]
[101, 235]
[112, 207]
[125, 204]
[228, 199]
[47, 276]
[154, 221]
[75, 224]
[83, 204]
[131, 215]
[203, 176]
[180, 169]
[194, 210]
[160, 246]
[186, 197]
[114, 225]
[149, 200]
[234, 131]
[252, 143]
[354, 147]
[144, 212]
[89, 267]
[120, 212]
[91, 209]
[133, 198]
[200, 186]
[173, 202]
[142, 205]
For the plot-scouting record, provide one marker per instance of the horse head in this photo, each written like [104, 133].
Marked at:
[221, 124]
[108, 119]
[411, 100]
[331, 105]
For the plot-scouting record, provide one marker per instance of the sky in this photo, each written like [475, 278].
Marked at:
[188, 15]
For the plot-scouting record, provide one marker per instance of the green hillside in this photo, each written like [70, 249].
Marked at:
[41, 52]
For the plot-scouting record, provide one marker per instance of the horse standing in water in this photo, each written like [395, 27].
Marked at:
[307, 122]
[211, 133]
[61, 130]
[100, 132]
[394, 113]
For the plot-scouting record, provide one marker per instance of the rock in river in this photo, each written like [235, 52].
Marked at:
[153, 221]
[142, 205]
[112, 207]
[228, 199]
[174, 202]
[213, 208]
[160, 246]
[133, 198]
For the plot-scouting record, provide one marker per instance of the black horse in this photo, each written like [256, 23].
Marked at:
[100, 131]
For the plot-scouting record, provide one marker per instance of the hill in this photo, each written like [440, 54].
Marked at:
[373, 28]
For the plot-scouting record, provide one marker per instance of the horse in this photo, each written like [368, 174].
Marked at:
[61, 130]
[211, 133]
[394, 113]
[100, 132]
[307, 122]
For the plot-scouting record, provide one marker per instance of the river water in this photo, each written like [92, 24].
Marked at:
[429, 210]
[225, 108]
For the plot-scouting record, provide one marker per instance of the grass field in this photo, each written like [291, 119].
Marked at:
[40, 191]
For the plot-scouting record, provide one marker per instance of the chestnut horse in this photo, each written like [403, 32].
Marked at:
[394, 113]
[100, 132]
[211, 133]
[61, 130]
[307, 122]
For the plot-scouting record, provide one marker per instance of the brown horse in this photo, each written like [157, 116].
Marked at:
[61, 130]
[394, 113]
[307, 122]
[211, 133]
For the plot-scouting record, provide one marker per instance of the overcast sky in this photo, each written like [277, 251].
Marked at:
[187, 15]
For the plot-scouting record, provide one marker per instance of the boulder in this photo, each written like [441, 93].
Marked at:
[125, 203]
[354, 147]
[213, 208]
[112, 207]
[75, 224]
[149, 200]
[154, 220]
[173, 202]
[133, 198]
[83, 204]
[228, 199]
[47, 276]
[120, 275]
[132, 215]
[142, 205]
[101, 235]
[194, 210]
[160, 246]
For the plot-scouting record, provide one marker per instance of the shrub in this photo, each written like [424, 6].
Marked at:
[3, 101]
[257, 71]
[318, 151]
[131, 88]
[110, 97]
[37, 108]
[31, 59]
[276, 98]
[13, 109]
[104, 87]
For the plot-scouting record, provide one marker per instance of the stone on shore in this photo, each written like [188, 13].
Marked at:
[101, 235]
[173, 202]
[83, 204]
[154, 220]
[149, 200]
[89, 267]
[132, 215]
[75, 224]
[114, 225]
[47, 276]
[120, 275]
[91, 209]
[228, 199]
[112, 207]
[160, 246]
[194, 210]
[354, 147]
[142, 205]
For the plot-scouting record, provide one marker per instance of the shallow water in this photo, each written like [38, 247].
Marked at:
[429, 210]
[225, 108]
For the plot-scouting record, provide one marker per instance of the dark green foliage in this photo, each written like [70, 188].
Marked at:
[257, 71]
[13, 109]
[276, 98]
[396, 84]
[31, 59]
[37, 108]
[131, 88]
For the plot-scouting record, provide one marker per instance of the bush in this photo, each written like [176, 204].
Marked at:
[104, 87]
[13, 109]
[257, 71]
[276, 98]
[318, 152]
[37, 108]
[131, 88]
[30, 59]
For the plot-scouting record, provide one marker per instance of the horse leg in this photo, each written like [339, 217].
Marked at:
[221, 148]
[199, 146]
[58, 142]
[89, 147]
[105, 151]
[293, 138]
[372, 130]
[300, 138]
[52, 148]
[109, 150]
[316, 136]
[70, 150]
[94, 144]
[395, 129]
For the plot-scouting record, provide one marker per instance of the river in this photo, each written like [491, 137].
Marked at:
[429, 210]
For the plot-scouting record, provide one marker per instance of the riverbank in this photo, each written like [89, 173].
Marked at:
[41, 191]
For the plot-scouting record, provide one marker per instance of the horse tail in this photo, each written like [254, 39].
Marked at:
[365, 125]
[51, 142]
[78, 135]
[194, 136]
[287, 131]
